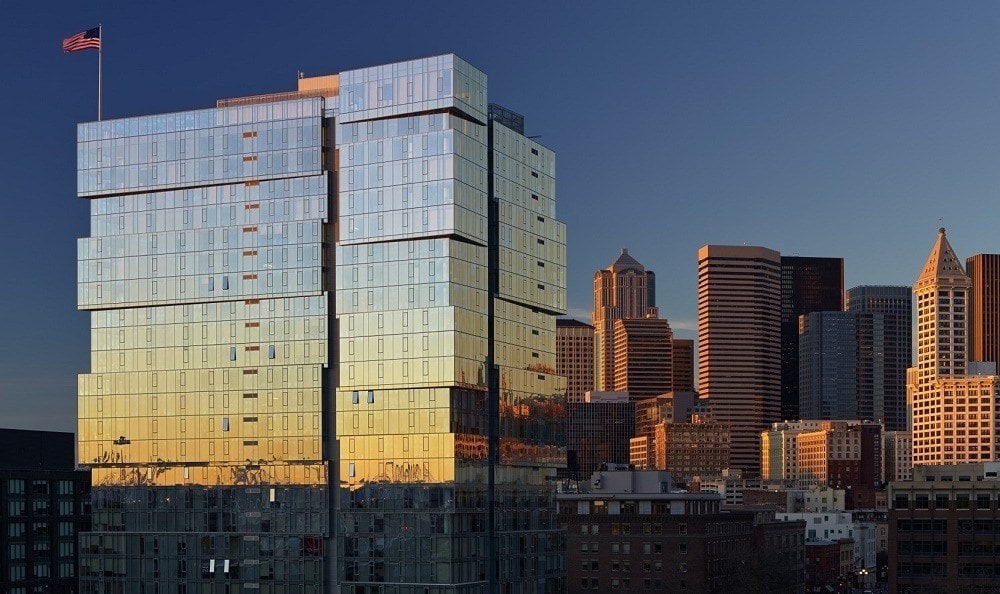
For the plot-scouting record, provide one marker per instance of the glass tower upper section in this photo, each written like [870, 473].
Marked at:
[300, 305]
[204, 275]
[209, 146]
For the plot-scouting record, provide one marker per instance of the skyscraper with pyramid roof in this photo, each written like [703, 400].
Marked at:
[954, 412]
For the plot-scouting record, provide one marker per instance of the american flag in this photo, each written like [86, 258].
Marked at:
[89, 39]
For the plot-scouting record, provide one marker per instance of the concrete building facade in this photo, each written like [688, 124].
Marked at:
[943, 529]
[780, 449]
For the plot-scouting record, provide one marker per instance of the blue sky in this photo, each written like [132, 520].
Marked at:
[817, 129]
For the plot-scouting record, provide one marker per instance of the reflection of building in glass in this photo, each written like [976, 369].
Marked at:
[371, 216]
[204, 275]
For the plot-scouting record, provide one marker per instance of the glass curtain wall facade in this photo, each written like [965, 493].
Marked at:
[202, 416]
[807, 285]
[828, 365]
[243, 432]
[886, 351]
[450, 271]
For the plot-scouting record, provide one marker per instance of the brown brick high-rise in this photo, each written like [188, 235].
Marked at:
[984, 307]
[739, 343]
[622, 291]
[642, 357]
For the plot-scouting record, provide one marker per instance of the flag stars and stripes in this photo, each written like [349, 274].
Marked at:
[89, 39]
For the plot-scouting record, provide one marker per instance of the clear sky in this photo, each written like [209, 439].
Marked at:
[814, 128]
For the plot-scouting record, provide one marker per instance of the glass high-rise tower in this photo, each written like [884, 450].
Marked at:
[323, 342]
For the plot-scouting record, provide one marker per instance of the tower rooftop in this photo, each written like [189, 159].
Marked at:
[626, 262]
[943, 266]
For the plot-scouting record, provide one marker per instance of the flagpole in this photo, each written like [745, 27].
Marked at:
[100, 52]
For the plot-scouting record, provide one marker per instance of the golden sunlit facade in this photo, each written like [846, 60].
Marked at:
[323, 342]
[203, 411]
[450, 257]
[954, 412]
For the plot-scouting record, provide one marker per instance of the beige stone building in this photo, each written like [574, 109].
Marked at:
[898, 456]
[780, 449]
[954, 413]
[686, 450]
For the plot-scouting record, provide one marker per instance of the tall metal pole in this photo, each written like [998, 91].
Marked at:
[100, 52]
[492, 370]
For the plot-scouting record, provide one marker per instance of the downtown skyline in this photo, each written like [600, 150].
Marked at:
[816, 131]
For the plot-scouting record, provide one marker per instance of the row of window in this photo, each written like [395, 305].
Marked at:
[39, 487]
[647, 528]
[648, 584]
[942, 501]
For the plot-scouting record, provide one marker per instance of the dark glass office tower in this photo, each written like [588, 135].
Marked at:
[323, 342]
[807, 285]
[885, 351]
[828, 362]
